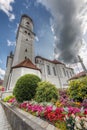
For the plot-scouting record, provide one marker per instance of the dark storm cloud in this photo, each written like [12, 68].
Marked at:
[66, 27]
[70, 33]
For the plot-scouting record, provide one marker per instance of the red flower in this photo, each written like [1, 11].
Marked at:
[85, 111]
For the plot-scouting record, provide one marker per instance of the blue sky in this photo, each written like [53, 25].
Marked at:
[42, 15]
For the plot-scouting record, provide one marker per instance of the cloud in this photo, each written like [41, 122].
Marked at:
[43, 31]
[10, 43]
[83, 53]
[17, 25]
[68, 24]
[82, 15]
[5, 6]
[37, 39]
[77, 68]
[2, 73]
[27, 4]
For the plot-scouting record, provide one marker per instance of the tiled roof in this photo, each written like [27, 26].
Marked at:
[24, 15]
[27, 64]
[52, 61]
[81, 74]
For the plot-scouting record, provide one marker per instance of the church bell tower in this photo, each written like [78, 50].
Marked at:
[24, 41]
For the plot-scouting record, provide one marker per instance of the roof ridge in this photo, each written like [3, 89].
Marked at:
[27, 63]
[52, 61]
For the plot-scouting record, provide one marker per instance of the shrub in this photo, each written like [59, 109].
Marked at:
[6, 99]
[25, 87]
[78, 89]
[46, 92]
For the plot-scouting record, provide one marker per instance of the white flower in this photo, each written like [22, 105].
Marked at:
[68, 125]
[79, 125]
[73, 115]
[75, 128]
[85, 125]
[54, 108]
[66, 117]
[77, 119]
[85, 119]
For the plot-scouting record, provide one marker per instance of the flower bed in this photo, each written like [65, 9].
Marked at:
[65, 118]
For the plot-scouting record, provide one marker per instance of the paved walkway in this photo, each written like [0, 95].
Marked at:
[4, 125]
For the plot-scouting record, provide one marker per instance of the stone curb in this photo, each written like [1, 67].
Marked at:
[21, 120]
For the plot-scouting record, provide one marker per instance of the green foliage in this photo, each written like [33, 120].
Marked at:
[78, 89]
[25, 87]
[46, 92]
[6, 99]
[70, 123]
[61, 125]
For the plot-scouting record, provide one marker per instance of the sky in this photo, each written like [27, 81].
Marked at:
[60, 28]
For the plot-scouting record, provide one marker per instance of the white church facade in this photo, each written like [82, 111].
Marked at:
[24, 62]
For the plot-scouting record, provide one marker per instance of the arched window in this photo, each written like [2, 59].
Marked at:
[28, 33]
[25, 57]
[25, 32]
[27, 22]
[48, 70]
[54, 71]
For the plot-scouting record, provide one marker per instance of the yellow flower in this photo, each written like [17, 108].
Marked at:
[77, 103]
[58, 104]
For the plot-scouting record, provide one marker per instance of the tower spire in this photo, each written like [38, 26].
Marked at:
[82, 64]
[24, 41]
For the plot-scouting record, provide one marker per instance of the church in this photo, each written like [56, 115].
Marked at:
[23, 61]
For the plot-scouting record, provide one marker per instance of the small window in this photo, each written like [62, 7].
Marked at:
[36, 60]
[25, 57]
[26, 32]
[54, 71]
[26, 39]
[27, 22]
[70, 74]
[48, 70]
[67, 74]
[64, 72]
[25, 50]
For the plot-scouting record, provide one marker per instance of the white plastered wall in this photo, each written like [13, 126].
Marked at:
[18, 72]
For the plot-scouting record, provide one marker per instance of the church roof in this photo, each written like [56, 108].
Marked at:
[52, 61]
[27, 64]
[24, 15]
[81, 74]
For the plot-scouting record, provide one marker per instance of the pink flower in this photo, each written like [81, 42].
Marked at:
[73, 110]
[12, 100]
[49, 108]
